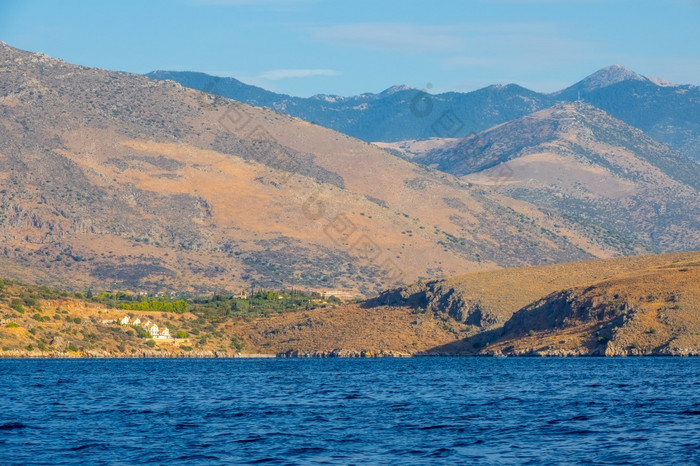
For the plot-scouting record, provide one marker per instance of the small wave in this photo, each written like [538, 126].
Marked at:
[690, 412]
[441, 453]
[578, 432]
[13, 426]
[467, 443]
[224, 415]
[198, 457]
[186, 425]
[249, 440]
[305, 450]
[439, 426]
[97, 446]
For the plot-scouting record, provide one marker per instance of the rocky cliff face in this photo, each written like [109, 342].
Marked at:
[442, 301]
[648, 312]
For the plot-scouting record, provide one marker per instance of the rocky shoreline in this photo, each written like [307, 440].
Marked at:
[344, 354]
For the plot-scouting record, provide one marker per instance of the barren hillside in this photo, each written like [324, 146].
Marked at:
[114, 180]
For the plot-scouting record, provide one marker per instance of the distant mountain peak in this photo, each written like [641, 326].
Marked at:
[602, 78]
[661, 82]
[366, 96]
[504, 87]
[608, 76]
[328, 97]
[396, 88]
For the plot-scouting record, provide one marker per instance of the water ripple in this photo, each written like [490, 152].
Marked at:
[415, 411]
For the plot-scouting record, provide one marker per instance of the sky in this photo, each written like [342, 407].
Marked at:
[306, 47]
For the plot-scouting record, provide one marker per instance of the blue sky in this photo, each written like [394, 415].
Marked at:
[304, 47]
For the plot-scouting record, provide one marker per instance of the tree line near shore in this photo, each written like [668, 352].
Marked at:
[260, 303]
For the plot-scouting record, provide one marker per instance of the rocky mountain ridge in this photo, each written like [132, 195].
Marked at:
[667, 112]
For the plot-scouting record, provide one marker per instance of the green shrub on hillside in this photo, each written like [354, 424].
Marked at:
[237, 343]
[17, 305]
[141, 332]
[155, 305]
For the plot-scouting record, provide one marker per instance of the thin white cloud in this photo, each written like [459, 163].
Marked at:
[401, 37]
[252, 2]
[466, 61]
[541, 2]
[468, 43]
[276, 75]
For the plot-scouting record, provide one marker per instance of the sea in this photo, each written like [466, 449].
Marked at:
[350, 411]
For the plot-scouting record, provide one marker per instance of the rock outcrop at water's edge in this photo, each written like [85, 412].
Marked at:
[344, 353]
[649, 312]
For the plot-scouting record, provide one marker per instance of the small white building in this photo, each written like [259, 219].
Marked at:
[164, 333]
[136, 321]
[154, 330]
[125, 320]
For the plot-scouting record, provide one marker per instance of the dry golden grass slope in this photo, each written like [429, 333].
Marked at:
[652, 311]
[638, 305]
[113, 180]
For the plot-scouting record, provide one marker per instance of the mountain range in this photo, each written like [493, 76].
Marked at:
[668, 112]
[399, 112]
[118, 180]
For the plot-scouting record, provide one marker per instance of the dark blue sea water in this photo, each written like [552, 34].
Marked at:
[432, 410]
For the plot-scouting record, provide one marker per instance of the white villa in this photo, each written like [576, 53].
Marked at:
[155, 331]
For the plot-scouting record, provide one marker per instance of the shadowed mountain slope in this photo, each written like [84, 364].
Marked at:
[668, 112]
[592, 168]
[397, 113]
